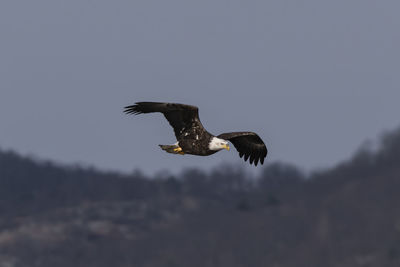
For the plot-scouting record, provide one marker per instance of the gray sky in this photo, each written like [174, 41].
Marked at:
[314, 78]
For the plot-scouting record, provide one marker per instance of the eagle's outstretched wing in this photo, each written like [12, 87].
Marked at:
[181, 117]
[248, 144]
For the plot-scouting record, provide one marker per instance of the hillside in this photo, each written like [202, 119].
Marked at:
[347, 216]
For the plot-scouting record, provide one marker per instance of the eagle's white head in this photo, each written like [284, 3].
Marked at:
[217, 144]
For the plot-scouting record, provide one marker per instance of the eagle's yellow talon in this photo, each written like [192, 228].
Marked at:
[178, 149]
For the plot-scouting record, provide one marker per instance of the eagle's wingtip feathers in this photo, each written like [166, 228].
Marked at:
[133, 109]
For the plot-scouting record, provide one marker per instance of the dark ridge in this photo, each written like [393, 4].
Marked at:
[52, 215]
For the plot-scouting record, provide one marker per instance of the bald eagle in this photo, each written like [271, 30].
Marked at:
[193, 139]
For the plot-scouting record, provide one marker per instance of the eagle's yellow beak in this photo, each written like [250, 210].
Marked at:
[226, 147]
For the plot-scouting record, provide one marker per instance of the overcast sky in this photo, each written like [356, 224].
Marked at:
[313, 78]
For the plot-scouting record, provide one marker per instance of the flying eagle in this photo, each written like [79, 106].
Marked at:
[193, 139]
